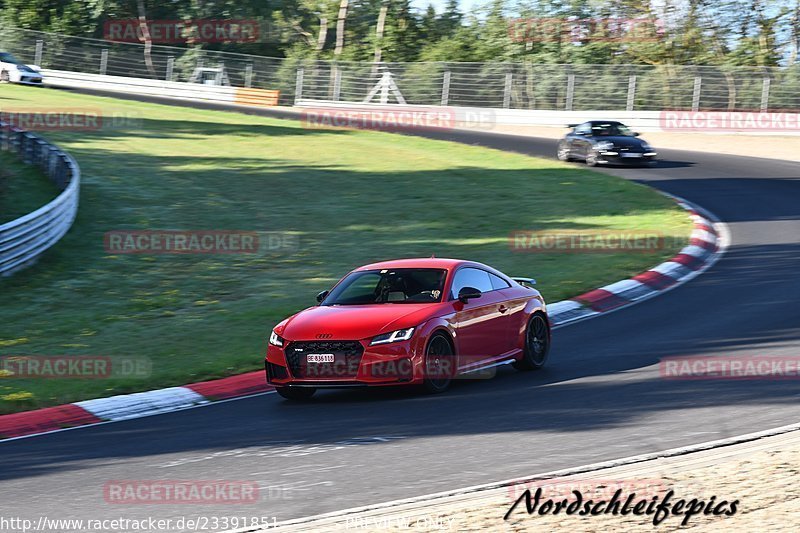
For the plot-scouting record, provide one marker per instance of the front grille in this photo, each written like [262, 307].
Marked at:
[347, 358]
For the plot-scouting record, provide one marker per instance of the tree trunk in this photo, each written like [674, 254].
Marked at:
[340, 28]
[148, 41]
[379, 32]
[323, 33]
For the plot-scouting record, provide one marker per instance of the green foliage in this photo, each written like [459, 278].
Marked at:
[721, 32]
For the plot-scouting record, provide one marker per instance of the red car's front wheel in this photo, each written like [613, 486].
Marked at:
[439, 364]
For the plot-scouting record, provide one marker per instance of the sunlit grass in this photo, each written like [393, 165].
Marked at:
[349, 197]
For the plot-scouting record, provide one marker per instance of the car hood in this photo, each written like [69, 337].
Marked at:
[28, 69]
[622, 141]
[354, 322]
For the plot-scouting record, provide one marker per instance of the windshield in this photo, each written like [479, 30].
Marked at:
[5, 57]
[611, 128]
[397, 286]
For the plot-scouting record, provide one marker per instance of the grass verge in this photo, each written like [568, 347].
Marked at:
[23, 188]
[348, 197]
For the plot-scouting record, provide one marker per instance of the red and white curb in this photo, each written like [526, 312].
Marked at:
[707, 242]
[128, 406]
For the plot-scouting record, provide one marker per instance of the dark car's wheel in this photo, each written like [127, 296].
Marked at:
[563, 153]
[296, 393]
[537, 344]
[591, 158]
[439, 364]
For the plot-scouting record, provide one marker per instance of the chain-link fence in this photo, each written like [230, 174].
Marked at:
[556, 87]
[494, 85]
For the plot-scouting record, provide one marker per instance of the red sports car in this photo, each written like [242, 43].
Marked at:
[411, 322]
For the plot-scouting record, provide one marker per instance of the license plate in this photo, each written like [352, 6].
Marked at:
[631, 155]
[319, 358]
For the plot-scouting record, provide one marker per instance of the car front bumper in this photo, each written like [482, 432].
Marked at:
[625, 158]
[397, 363]
[25, 78]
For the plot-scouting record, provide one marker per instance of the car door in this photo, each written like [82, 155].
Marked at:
[481, 332]
[512, 311]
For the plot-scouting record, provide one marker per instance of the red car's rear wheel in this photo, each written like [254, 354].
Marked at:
[537, 344]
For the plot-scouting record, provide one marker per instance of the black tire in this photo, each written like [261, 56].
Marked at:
[439, 364]
[297, 394]
[591, 158]
[563, 153]
[537, 343]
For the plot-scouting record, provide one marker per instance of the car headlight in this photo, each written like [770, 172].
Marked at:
[647, 148]
[605, 145]
[394, 336]
[275, 339]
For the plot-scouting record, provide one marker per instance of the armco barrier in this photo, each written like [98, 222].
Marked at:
[160, 88]
[24, 239]
[486, 118]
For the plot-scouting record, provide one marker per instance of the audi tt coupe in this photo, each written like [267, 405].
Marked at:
[600, 142]
[409, 322]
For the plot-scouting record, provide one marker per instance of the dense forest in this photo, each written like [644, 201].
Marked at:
[648, 32]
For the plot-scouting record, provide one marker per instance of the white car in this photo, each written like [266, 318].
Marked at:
[13, 70]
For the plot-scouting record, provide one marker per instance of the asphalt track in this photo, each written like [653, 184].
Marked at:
[601, 397]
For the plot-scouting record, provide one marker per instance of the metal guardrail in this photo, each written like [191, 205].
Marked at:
[23, 240]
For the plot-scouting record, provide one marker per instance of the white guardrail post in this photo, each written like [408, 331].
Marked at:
[23, 240]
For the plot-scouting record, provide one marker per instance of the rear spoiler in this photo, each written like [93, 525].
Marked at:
[572, 125]
[525, 282]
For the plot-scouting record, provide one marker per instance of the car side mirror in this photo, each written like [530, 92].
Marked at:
[468, 293]
[321, 296]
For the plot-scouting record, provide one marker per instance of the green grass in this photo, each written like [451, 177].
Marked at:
[23, 188]
[350, 197]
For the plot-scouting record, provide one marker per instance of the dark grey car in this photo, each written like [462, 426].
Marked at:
[601, 142]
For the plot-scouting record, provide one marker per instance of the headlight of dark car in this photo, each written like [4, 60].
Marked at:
[604, 146]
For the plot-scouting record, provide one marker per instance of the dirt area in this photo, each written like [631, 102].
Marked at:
[760, 475]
